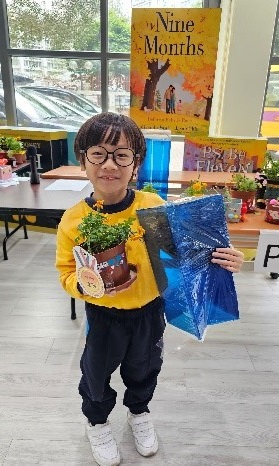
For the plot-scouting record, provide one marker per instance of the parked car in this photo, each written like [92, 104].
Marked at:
[77, 101]
[33, 112]
[57, 106]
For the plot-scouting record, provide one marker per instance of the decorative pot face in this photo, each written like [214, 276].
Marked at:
[272, 213]
[113, 267]
[247, 196]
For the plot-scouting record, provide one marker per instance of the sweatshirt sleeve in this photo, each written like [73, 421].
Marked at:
[65, 262]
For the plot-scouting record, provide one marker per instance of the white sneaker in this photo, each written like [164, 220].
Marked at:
[144, 433]
[103, 444]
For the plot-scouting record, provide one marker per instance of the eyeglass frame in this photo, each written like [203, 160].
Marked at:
[135, 156]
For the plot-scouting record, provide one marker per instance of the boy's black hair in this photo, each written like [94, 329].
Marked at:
[107, 128]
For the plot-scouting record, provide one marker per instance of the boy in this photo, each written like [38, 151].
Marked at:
[125, 329]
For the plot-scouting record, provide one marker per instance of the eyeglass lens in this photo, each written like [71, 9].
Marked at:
[122, 156]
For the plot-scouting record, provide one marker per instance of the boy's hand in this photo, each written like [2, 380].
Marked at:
[228, 258]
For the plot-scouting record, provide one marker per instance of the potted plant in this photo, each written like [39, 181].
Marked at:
[15, 149]
[244, 188]
[271, 171]
[3, 148]
[196, 188]
[106, 242]
[148, 187]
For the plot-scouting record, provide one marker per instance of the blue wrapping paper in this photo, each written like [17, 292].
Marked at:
[180, 238]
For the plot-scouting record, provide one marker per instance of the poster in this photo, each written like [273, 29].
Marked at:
[173, 59]
[223, 154]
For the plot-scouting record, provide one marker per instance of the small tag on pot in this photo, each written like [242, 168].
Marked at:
[91, 282]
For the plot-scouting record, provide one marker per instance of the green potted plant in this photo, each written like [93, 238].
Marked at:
[271, 167]
[195, 188]
[271, 171]
[148, 187]
[106, 242]
[3, 148]
[244, 188]
[15, 149]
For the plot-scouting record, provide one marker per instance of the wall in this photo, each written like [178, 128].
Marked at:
[242, 66]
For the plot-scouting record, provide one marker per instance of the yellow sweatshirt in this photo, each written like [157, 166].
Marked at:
[143, 289]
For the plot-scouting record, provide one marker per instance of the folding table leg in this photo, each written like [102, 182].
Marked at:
[10, 233]
[73, 309]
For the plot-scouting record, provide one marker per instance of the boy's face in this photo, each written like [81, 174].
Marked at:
[109, 180]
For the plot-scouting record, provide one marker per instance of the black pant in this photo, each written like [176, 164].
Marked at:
[131, 339]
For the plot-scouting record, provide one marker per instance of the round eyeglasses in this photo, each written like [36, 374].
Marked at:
[122, 156]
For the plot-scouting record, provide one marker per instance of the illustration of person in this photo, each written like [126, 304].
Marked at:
[172, 100]
[179, 106]
[167, 97]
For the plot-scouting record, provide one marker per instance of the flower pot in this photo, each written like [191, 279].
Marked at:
[20, 158]
[272, 189]
[3, 154]
[113, 266]
[272, 213]
[247, 196]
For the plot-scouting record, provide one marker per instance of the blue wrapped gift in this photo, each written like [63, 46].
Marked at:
[180, 237]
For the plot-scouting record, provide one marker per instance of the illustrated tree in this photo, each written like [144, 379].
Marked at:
[201, 85]
[158, 99]
[136, 87]
[151, 82]
[156, 51]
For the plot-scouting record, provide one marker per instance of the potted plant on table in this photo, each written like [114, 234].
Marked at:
[15, 149]
[3, 148]
[105, 246]
[195, 188]
[244, 188]
[271, 171]
[149, 188]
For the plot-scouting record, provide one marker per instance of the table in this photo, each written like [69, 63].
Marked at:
[246, 234]
[74, 172]
[26, 199]
[22, 168]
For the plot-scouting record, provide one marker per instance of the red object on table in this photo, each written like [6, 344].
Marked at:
[243, 211]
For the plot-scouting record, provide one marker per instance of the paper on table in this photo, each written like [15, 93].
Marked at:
[67, 185]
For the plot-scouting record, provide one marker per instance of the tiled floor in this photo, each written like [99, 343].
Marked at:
[216, 403]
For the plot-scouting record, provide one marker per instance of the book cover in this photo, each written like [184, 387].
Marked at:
[173, 60]
[223, 154]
